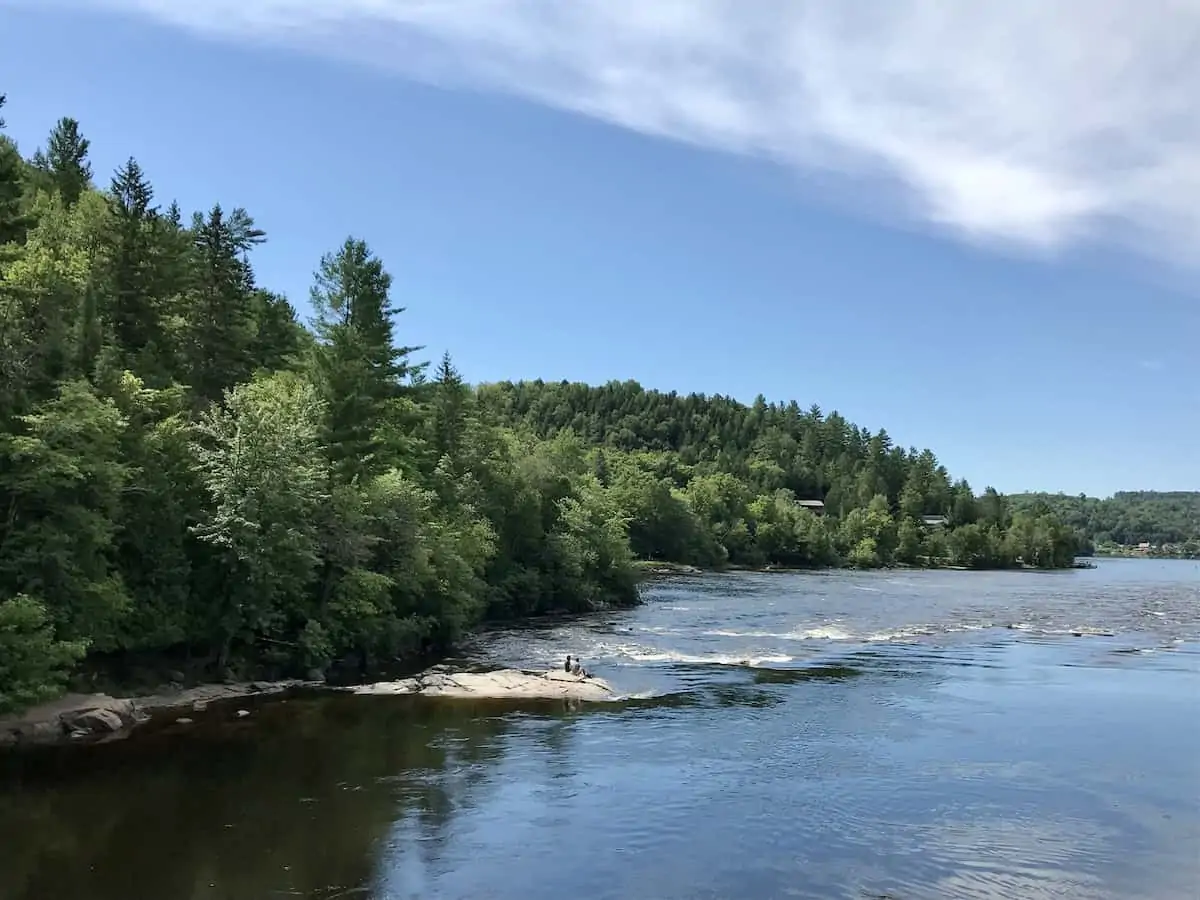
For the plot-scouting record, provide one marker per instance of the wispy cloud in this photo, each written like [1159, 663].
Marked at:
[1035, 123]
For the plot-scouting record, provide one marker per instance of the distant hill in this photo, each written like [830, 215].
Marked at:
[773, 445]
[1127, 517]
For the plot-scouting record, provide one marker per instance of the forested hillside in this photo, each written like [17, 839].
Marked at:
[185, 469]
[1128, 518]
[709, 480]
[190, 474]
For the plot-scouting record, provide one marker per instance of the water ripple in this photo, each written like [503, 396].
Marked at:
[837, 735]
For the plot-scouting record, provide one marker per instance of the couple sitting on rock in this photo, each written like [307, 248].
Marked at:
[573, 667]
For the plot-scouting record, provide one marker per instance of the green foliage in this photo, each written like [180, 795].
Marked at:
[710, 481]
[187, 471]
[61, 481]
[12, 184]
[259, 459]
[63, 167]
[1128, 518]
[33, 664]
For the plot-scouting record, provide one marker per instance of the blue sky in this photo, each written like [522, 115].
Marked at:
[1002, 269]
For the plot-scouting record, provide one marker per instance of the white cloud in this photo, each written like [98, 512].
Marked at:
[1035, 123]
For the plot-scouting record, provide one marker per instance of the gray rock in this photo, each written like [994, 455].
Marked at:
[97, 721]
[388, 688]
[242, 713]
[503, 684]
[105, 715]
[77, 716]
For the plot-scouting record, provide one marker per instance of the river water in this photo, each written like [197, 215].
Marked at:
[884, 735]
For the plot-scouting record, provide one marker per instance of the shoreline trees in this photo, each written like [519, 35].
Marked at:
[190, 473]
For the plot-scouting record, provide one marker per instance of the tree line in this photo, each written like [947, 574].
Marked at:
[189, 473]
[1128, 518]
[711, 481]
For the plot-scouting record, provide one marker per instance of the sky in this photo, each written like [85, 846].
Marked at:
[974, 225]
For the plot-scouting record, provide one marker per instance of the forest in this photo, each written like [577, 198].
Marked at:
[193, 478]
[1167, 520]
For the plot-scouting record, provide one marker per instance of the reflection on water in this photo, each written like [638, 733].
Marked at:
[788, 736]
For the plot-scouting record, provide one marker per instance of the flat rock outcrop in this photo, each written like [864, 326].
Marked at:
[504, 684]
[197, 698]
[94, 716]
[80, 717]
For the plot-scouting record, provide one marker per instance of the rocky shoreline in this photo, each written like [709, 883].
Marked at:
[94, 717]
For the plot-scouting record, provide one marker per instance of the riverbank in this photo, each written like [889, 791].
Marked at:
[83, 717]
[1135, 553]
[78, 718]
[648, 568]
[119, 708]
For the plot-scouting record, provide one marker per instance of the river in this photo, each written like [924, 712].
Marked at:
[831, 735]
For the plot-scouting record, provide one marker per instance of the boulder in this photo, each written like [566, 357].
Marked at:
[389, 688]
[102, 720]
[75, 716]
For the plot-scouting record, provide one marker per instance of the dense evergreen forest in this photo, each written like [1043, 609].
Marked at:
[191, 475]
[1167, 520]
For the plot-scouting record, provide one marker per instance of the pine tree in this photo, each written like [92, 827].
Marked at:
[357, 361]
[65, 161]
[12, 223]
[278, 334]
[449, 411]
[133, 309]
[219, 327]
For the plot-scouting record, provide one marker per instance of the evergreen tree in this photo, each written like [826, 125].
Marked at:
[357, 362]
[278, 335]
[135, 311]
[218, 324]
[12, 221]
[64, 162]
[449, 411]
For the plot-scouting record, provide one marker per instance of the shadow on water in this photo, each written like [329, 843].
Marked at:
[809, 673]
[289, 802]
[299, 799]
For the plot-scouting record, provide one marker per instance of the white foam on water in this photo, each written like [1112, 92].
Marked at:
[722, 632]
[1085, 632]
[901, 634]
[639, 695]
[828, 632]
[818, 633]
[703, 659]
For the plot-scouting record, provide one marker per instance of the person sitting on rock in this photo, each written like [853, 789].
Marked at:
[567, 664]
[576, 668]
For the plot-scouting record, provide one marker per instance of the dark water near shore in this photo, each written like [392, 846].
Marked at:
[914, 735]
